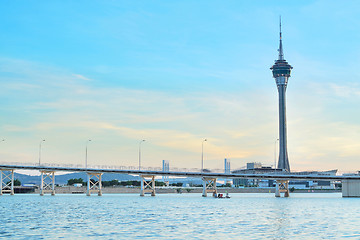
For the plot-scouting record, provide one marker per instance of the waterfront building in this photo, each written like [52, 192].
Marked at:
[259, 168]
[254, 168]
[314, 184]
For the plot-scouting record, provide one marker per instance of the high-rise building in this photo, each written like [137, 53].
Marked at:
[281, 72]
[165, 168]
[227, 169]
[227, 166]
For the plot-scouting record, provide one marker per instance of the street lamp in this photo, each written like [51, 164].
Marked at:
[275, 154]
[202, 155]
[140, 153]
[86, 152]
[39, 150]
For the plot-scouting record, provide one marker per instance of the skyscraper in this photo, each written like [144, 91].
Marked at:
[281, 72]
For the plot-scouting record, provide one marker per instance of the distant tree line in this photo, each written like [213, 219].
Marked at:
[111, 183]
[122, 183]
[72, 181]
[134, 183]
[16, 182]
[127, 183]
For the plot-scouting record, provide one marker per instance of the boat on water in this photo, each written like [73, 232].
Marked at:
[220, 195]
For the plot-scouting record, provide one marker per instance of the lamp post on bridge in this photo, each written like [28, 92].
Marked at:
[276, 141]
[209, 183]
[202, 155]
[140, 153]
[86, 152]
[93, 178]
[40, 151]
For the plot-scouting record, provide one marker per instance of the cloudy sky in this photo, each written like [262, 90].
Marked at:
[174, 73]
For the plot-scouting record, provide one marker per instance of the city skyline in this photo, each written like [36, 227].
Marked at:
[175, 74]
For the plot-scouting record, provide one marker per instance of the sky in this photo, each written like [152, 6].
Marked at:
[175, 73]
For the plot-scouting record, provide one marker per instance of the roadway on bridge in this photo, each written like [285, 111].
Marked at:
[274, 176]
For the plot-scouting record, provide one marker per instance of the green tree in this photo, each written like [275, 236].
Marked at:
[16, 182]
[72, 181]
[160, 184]
[114, 182]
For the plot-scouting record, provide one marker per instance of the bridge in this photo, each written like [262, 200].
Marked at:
[350, 183]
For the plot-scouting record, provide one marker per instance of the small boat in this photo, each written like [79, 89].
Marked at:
[227, 195]
[220, 195]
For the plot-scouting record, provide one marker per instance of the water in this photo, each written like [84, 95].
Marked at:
[179, 216]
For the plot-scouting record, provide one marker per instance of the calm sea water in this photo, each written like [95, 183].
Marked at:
[180, 216]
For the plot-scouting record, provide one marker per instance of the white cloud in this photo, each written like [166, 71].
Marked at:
[346, 90]
[79, 76]
[241, 126]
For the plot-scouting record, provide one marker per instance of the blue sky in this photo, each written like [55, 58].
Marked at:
[174, 73]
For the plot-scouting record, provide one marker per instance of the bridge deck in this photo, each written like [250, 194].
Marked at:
[274, 176]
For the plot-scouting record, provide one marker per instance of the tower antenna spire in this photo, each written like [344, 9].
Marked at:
[281, 52]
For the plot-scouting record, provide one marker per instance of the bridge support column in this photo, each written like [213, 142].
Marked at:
[94, 183]
[47, 184]
[147, 186]
[209, 186]
[282, 186]
[7, 181]
[350, 188]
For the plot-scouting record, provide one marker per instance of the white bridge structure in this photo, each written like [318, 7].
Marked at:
[350, 183]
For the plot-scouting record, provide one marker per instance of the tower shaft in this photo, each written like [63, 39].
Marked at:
[283, 155]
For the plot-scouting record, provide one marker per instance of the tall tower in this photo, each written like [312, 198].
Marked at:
[281, 72]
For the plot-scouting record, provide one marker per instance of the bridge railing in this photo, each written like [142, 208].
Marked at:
[173, 169]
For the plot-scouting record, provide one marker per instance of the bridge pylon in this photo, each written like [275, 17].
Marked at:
[147, 186]
[282, 186]
[7, 181]
[209, 186]
[94, 183]
[47, 184]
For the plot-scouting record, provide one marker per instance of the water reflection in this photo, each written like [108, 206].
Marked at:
[172, 216]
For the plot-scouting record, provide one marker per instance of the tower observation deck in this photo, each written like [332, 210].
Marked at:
[281, 72]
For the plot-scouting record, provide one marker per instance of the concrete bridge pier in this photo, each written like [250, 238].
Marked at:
[147, 186]
[209, 186]
[47, 184]
[350, 188]
[7, 181]
[93, 183]
[282, 186]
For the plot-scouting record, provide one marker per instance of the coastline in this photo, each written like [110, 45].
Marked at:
[184, 190]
